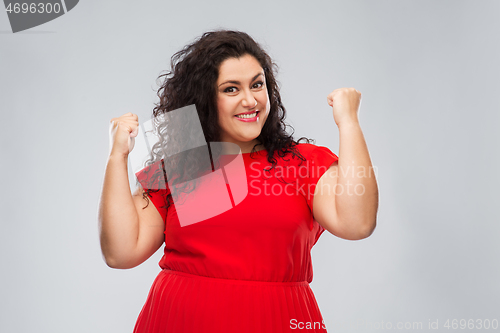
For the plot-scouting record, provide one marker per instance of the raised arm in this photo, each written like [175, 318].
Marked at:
[128, 233]
[346, 196]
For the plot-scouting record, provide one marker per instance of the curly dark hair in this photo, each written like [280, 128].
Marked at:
[192, 80]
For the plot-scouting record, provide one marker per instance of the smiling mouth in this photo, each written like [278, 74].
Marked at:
[247, 115]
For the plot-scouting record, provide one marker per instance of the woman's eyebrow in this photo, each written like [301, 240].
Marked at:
[238, 82]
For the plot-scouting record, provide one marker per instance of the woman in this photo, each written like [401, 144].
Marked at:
[248, 268]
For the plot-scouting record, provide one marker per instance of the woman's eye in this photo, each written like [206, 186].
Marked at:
[228, 89]
[258, 84]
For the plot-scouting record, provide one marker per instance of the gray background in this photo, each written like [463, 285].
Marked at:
[429, 75]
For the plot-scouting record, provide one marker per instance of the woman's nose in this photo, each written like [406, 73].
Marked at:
[249, 100]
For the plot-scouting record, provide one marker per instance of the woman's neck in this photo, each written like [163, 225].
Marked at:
[230, 148]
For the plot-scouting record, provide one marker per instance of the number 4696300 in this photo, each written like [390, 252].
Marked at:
[471, 324]
[33, 8]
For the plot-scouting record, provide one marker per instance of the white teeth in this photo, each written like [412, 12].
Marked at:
[250, 115]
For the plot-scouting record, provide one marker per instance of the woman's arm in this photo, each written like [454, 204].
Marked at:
[346, 196]
[128, 234]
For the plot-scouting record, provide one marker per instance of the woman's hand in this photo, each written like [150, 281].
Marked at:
[122, 133]
[345, 103]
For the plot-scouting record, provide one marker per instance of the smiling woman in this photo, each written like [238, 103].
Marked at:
[242, 101]
[247, 269]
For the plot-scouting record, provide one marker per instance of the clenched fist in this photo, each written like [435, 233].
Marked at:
[345, 103]
[122, 133]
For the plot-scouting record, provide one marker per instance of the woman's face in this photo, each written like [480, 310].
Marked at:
[241, 89]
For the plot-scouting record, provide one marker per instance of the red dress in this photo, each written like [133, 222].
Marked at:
[249, 268]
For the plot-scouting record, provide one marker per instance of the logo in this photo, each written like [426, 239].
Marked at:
[25, 15]
[222, 187]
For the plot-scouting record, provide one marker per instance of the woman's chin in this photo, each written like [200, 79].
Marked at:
[250, 139]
